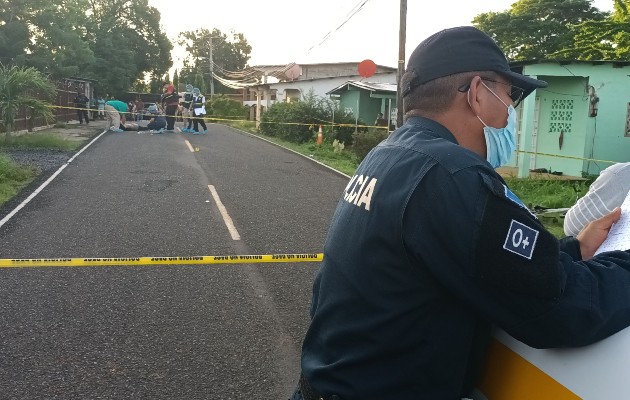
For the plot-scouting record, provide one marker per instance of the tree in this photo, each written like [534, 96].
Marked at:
[176, 81]
[116, 42]
[200, 82]
[17, 88]
[58, 46]
[537, 29]
[129, 42]
[607, 39]
[229, 53]
[13, 41]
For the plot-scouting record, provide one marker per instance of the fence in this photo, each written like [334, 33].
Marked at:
[25, 122]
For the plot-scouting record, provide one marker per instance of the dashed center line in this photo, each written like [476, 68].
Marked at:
[224, 213]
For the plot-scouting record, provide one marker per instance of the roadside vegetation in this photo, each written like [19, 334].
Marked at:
[13, 178]
[38, 141]
[18, 86]
[539, 194]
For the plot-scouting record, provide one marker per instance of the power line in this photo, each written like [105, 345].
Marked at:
[358, 7]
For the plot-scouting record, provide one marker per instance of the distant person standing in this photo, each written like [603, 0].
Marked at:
[101, 107]
[380, 121]
[170, 102]
[199, 111]
[115, 110]
[186, 111]
[139, 106]
[81, 102]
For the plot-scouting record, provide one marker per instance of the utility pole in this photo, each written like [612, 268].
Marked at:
[402, 38]
[211, 69]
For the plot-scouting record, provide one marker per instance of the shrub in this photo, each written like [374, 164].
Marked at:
[366, 141]
[283, 120]
[223, 107]
[299, 122]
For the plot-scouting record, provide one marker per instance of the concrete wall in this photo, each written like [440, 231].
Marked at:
[321, 86]
[601, 137]
[317, 71]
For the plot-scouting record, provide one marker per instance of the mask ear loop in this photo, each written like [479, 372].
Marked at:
[469, 105]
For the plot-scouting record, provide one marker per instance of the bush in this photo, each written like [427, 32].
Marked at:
[223, 107]
[299, 122]
[366, 141]
[287, 121]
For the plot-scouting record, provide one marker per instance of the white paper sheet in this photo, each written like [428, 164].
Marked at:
[619, 235]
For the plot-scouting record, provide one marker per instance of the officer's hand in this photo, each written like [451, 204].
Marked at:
[594, 234]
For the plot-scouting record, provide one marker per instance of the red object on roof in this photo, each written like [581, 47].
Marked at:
[367, 68]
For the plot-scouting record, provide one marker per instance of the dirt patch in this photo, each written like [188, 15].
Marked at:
[73, 130]
[512, 172]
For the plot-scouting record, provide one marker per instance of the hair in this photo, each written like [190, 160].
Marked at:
[437, 95]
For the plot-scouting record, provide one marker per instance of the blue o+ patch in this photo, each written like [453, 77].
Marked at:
[521, 240]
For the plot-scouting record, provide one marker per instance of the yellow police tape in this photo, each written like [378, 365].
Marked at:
[327, 124]
[210, 119]
[131, 261]
[570, 157]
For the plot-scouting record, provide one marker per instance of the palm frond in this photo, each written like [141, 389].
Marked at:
[24, 87]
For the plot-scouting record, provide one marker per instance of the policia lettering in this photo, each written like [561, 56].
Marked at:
[359, 191]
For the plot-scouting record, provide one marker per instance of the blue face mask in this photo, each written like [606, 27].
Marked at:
[500, 142]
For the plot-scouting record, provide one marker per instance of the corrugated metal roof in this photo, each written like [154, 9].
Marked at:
[371, 86]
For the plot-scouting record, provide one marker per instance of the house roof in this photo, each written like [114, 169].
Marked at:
[522, 63]
[80, 79]
[370, 86]
[251, 76]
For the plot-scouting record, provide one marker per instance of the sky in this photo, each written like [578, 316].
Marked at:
[285, 31]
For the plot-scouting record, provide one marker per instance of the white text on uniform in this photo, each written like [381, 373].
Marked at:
[359, 191]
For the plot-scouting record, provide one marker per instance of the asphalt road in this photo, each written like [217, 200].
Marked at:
[164, 332]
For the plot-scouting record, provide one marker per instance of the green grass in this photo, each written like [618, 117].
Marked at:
[549, 194]
[345, 161]
[38, 141]
[13, 178]
[247, 126]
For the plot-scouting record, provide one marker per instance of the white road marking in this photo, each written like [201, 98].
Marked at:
[189, 146]
[224, 213]
[43, 185]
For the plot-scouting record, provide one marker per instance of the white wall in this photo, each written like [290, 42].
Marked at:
[323, 85]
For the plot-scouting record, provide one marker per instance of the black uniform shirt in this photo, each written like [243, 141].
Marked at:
[426, 249]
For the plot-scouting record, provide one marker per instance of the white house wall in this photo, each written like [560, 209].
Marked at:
[321, 86]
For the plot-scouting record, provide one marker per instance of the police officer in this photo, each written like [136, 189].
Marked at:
[428, 246]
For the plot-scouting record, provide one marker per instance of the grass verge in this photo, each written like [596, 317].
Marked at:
[38, 141]
[344, 161]
[549, 194]
[13, 178]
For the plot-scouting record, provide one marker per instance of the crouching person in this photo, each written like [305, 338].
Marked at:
[158, 121]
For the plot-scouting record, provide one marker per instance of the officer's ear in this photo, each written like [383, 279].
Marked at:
[475, 95]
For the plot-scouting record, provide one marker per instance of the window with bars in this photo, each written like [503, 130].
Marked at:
[561, 116]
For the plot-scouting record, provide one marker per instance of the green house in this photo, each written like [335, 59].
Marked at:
[580, 123]
[366, 99]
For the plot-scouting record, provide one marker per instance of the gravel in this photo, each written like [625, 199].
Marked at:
[45, 160]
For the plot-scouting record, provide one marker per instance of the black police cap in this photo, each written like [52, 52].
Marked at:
[462, 49]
